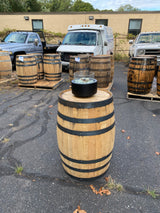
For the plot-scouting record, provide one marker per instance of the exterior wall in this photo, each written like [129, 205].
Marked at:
[58, 22]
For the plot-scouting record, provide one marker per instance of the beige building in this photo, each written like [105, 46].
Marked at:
[122, 23]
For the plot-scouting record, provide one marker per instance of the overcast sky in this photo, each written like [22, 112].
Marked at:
[150, 5]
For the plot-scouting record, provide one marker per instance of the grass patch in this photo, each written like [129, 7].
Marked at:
[111, 184]
[18, 170]
[152, 193]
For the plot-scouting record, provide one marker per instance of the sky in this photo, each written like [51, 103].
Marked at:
[148, 5]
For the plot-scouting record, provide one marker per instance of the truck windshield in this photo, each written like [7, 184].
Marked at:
[16, 38]
[80, 38]
[149, 38]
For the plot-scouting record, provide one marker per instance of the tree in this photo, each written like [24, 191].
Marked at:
[127, 7]
[32, 6]
[60, 5]
[12, 6]
[79, 5]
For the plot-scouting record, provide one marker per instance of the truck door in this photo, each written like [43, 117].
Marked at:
[32, 47]
[99, 44]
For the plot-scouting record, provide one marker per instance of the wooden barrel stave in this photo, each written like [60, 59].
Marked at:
[85, 135]
[5, 65]
[140, 75]
[26, 67]
[52, 67]
[101, 66]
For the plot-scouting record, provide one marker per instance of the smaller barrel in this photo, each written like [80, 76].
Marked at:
[26, 66]
[101, 66]
[39, 59]
[78, 63]
[52, 67]
[158, 81]
[5, 65]
[140, 74]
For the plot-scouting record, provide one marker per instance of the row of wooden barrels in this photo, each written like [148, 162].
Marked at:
[33, 67]
[141, 73]
[101, 65]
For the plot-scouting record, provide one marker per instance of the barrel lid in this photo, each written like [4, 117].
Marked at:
[101, 98]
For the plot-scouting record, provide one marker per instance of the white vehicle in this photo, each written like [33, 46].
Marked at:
[146, 43]
[86, 39]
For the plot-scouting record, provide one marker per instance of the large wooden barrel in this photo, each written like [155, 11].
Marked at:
[101, 66]
[86, 133]
[39, 59]
[158, 81]
[140, 74]
[26, 66]
[52, 67]
[78, 63]
[5, 65]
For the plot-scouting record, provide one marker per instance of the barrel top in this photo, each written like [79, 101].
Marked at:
[98, 97]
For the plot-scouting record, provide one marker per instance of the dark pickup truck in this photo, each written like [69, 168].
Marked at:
[23, 42]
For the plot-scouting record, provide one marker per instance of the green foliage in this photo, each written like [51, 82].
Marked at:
[131, 36]
[127, 7]
[60, 5]
[79, 5]
[12, 6]
[18, 170]
[32, 6]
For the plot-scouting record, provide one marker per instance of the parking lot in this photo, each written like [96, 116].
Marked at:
[28, 140]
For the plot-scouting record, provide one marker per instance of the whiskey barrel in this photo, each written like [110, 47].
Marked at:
[5, 65]
[101, 66]
[78, 63]
[140, 74]
[158, 81]
[26, 66]
[52, 67]
[39, 59]
[85, 133]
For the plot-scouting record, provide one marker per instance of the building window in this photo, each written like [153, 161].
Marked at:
[102, 21]
[134, 26]
[37, 24]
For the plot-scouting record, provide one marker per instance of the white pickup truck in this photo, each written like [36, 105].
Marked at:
[146, 43]
[86, 39]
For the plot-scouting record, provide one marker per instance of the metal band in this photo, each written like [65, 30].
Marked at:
[26, 56]
[89, 105]
[134, 82]
[25, 65]
[100, 69]
[52, 63]
[24, 76]
[86, 133]
[86, 161]
[54, 74]
[5, 71]
[142, 69]
[29, 83]
[85, 170]
[106, 62]
[32, 79]
[5, 60]
[86, 121]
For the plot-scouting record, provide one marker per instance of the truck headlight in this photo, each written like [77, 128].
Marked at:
[140, 52]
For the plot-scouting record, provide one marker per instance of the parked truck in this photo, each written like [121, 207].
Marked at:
[23, 42]
[86, 39]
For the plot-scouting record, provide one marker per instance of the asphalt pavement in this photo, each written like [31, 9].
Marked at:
[32, 179]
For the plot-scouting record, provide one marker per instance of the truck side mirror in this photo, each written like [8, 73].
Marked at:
[105, 43]
[130, 41]
[36, 42]
[59, 42]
